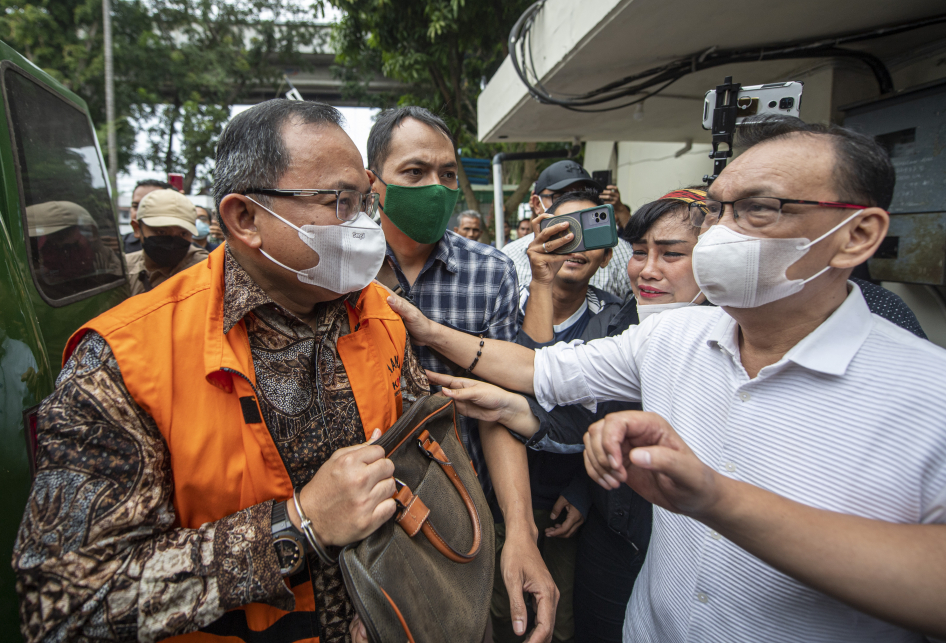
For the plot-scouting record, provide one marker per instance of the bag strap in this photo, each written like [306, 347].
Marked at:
[413, 515]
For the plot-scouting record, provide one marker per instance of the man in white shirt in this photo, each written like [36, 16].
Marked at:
[796, 443]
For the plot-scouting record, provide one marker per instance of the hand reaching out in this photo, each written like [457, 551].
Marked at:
[643, 450]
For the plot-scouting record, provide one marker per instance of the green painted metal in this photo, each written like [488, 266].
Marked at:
[32, 337]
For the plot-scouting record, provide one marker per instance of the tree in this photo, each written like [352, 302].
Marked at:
[445, 51]
[179, 64]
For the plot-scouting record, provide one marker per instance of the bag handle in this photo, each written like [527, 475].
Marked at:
[414, 514]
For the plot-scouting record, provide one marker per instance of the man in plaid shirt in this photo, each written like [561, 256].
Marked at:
[468, 286]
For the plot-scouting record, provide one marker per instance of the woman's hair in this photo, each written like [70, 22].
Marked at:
[650, 213]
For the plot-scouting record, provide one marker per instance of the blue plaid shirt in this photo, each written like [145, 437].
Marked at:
[471, 287]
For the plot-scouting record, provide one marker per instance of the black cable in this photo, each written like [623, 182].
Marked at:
[665, 75]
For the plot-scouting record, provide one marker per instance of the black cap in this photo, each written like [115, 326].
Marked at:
[561, 174]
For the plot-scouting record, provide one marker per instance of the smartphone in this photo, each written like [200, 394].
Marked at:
[773, 98]
[176, 181]
[593, 228]
[602, 178]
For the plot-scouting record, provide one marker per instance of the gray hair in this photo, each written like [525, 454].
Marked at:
[470, 214]
[251, 152]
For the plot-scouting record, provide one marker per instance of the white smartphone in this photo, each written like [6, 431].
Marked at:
[773, 98]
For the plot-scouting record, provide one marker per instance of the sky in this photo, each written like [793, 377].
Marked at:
[358, 121]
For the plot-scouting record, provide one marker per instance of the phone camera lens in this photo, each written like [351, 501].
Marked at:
[772, 104]
[786, 103]
[604, 216]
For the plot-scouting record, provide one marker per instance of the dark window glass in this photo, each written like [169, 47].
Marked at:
[73, 238]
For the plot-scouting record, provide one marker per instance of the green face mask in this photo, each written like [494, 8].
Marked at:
[422, 213]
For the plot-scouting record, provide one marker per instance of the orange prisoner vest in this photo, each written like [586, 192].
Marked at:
[223, 457]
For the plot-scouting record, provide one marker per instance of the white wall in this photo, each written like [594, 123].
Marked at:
[647, 171]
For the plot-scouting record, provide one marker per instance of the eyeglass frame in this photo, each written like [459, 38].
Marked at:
[370, 201]
[702, 208]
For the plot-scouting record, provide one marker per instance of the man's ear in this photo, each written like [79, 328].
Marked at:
[864, 236]
[238, 214]
[536, 204]
[135, 229]
[457, 230]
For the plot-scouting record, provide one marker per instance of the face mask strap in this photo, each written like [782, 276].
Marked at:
[291, 225]
[698, 293]
[829, 233]
[282, 265]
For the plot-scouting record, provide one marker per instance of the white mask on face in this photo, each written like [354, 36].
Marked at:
[646, 310]
[350, 253]
[740, 271]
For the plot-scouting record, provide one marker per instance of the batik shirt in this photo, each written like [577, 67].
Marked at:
[98, 557]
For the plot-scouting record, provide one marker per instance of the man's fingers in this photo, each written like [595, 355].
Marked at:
[374, 436]
[379, 470]
[544, 616]
[560, 504]
[517, 607]
[381, 491]
[449, 381]
[382, 513]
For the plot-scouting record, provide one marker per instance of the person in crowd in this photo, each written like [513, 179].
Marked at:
[166, 225]
[132, 240]
[766, 446]
[466, 285]
[469, 225]
[556, 306]
[553, 182]
[169, 451]
[612, 194]
[204, 239]
[523, 228]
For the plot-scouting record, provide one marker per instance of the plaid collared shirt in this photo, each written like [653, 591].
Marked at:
[471, 287]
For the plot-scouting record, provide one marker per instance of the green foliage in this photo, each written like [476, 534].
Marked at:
[179, 64]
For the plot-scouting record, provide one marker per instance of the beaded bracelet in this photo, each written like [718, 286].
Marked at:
[479, 354]
[306, 525]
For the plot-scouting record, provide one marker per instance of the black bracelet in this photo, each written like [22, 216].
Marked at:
[479, 354]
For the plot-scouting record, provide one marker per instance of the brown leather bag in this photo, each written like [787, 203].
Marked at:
[427, 574]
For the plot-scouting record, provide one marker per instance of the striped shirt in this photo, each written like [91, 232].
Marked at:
[612, 278]
[852, 419]
[471, 287]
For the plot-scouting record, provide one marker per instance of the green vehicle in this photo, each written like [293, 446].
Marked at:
[60, 265]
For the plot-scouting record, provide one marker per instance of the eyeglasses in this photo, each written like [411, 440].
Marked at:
[348, 204]
[754, 212]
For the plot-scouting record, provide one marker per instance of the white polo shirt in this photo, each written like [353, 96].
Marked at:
[852, 419]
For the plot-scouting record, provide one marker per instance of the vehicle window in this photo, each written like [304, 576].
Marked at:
[73, 238]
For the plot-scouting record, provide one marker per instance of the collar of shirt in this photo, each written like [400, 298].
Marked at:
[442, 252]
[242, 295]
[828, 349]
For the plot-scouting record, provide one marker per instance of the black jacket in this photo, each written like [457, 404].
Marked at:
[563, 428]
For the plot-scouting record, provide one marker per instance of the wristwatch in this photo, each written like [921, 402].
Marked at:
[287, 540]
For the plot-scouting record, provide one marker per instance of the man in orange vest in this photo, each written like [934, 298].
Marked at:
[196, 427]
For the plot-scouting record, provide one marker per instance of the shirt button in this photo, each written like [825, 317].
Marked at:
[730, 467]
[745, 397]
[715, 535]
[701, 597]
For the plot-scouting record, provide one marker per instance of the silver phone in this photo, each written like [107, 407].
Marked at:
[773, 98]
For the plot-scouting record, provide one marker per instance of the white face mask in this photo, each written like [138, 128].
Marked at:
[350, 253]
[740, 271]
[646, 310]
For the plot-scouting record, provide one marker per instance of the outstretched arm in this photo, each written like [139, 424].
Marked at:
[504, 363]
[834, 553]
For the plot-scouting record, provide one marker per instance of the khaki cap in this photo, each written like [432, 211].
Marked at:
[163, 208]
[53, 216]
